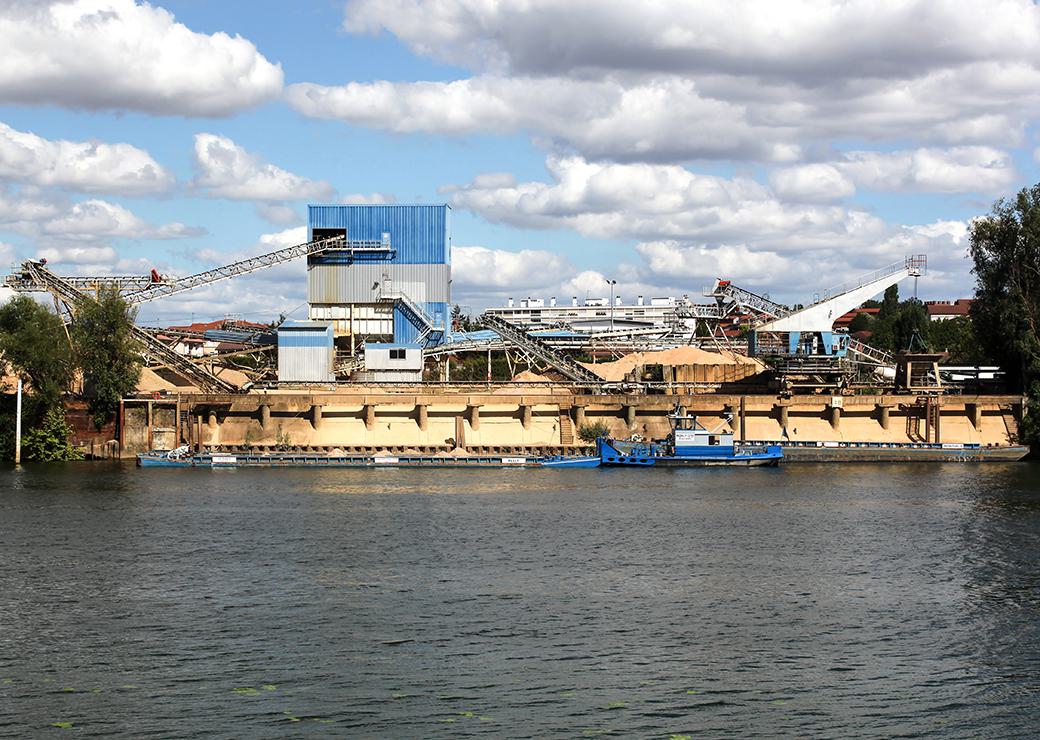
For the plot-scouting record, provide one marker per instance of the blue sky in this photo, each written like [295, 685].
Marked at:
[575, 141]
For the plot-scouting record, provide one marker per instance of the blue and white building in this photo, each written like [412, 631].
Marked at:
[391, 283]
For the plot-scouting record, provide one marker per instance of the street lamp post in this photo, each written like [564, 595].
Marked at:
[612, 283]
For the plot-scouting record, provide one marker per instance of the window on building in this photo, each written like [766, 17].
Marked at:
[397, 354]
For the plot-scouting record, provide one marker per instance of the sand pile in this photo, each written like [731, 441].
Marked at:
[151, 382]
[618, 369]
[528, 379]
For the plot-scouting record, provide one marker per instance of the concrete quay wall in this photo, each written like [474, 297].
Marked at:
[445, 420]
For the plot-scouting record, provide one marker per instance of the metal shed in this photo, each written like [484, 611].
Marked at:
[305, 352]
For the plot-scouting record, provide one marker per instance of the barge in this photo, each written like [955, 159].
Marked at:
[182, 457]
[689, 445]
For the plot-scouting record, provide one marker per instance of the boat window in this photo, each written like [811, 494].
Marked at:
[713, 440]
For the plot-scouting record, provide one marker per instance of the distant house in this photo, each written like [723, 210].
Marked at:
[945, 310]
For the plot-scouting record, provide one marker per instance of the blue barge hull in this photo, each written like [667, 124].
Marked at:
[157, 459]
[612, 453]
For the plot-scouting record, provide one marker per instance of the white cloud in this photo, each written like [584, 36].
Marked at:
[94, 220]
[226, 170]
[650, 120]
[78, 257]
[258, 296]
[371, 199]
[92, 167]
[957, 170]
[479, 268]
[117, 54]
[805, 40]
[279, 214]
[688, 228]
[677, 80]
[811, 182]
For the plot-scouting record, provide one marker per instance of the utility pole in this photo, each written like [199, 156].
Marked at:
[18, 426]
[612, 283]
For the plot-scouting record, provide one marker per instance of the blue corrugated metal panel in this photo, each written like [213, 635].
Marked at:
[481, 335]
[420, 233]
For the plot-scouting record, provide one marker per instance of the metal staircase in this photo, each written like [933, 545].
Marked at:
[413, 311]
[559, 361]
[153, 347]
[870, 355]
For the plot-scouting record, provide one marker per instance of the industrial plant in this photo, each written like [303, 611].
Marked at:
[371, 365]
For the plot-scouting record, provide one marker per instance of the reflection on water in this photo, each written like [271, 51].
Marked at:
[810, 600]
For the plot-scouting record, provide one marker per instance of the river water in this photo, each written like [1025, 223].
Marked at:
[811, 600]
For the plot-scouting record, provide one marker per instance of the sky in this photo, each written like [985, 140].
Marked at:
[787, 146]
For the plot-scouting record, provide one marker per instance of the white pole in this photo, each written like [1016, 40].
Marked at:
[18, 426]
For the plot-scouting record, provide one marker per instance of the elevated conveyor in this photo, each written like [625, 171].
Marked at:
[559, 361]
[141, 289]
[153, 347]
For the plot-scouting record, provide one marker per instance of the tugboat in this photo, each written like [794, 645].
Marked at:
[689, 444]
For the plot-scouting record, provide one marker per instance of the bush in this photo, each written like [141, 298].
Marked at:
[589, 432]
[49, 441]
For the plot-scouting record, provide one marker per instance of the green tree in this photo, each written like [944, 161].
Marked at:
[910, 327]
[956, 337]
[890, 303]
[49, 440]
[107, 352]
[34, 343]
[860, 322]
[1005, 249]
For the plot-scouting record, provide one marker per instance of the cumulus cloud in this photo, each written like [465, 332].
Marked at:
[689, 227]
[803, 39]
[226, 170]
[258, 296]
[647, 121]
[957, 170]
[91, 167]
[94, 220]
[811, 182]
[679, 80]
[480, 269]
[279, 214]
[121, 55]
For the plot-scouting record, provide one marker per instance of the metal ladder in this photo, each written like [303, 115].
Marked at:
[540, 349]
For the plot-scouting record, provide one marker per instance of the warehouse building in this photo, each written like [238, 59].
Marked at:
[390, 282]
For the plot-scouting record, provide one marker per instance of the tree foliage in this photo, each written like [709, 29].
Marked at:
[590, 431]
[1005, 247]
[107, 352]
[48, 441]
[34, 343]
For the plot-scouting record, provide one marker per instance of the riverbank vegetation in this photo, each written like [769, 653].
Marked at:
[95, 355]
